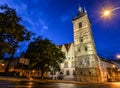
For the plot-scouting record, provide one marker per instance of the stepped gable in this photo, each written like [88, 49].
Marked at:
[67, 46]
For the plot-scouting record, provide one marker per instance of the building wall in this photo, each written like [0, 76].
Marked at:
[87, 62]
[108, 70]
[68, 67]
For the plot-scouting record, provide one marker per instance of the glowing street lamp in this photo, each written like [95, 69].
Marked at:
[118, 56]
[108, 12]
[113, 66]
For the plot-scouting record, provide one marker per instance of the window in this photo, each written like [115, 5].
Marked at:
[89, 73]
[80, 73]
[86, 48]
[81, 62]
[73, 72]
[87, 62]
[66, 64]
[67, 72]
[81, 39]
[72, 64]
[80, 24]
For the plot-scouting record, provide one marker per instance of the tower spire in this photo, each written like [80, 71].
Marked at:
[81, 12]
[85, 10]
[79, 8]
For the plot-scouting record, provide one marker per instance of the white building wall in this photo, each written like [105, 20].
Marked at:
[70, 59]
[104, 64]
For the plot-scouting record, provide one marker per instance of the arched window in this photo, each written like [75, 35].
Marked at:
[87, 62]
[81, 61]
[66, 64]
[86, 49]
[80, 24]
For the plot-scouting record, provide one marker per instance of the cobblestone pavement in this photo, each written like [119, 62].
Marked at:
[31, 84]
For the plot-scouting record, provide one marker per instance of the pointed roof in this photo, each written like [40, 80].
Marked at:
[67, 46]
[81, 12]
[79, 8]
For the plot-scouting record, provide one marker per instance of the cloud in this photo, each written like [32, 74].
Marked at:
[65, 18]
[45, 27]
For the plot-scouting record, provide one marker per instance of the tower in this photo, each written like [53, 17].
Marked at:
[86, 60]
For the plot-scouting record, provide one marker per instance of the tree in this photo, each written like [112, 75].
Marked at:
[11, 32]
[57, 58]
[44, 55]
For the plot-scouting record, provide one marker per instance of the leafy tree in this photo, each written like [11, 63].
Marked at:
[44, 55]
[11, 32]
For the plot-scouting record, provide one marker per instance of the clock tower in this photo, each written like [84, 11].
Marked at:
[86, 59]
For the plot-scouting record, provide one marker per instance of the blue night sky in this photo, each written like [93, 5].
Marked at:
[53, 19]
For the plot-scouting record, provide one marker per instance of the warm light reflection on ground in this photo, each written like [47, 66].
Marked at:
[54, 84]
[116, 83]
[30, 84]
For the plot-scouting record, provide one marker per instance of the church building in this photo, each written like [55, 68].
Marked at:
[82, 62]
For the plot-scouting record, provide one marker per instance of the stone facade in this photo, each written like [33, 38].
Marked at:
[82, 62]
[68, 67]
[87, 62]
[107, 70]
[89, 67]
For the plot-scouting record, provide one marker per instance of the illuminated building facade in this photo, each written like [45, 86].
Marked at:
[88, 66]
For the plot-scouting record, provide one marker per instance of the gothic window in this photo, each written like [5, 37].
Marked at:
[87, 62]
[66, 65]
[73, 72]
[86, 49]
[80, 73]
[81, 62]
[78, 50]
[81, 39]
[67, 72]
[80, 24]
[89, 73]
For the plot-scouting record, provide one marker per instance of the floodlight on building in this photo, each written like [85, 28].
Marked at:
[113, 66]
[2, 65]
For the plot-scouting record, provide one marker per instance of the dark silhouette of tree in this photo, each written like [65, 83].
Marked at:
[44, 55]
[11, 32]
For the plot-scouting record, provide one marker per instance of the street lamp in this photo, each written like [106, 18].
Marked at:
[108, 12]
[118, 56]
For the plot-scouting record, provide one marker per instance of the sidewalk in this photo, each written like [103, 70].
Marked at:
[4, 78]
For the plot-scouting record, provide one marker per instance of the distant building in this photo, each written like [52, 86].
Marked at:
[2, 65]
